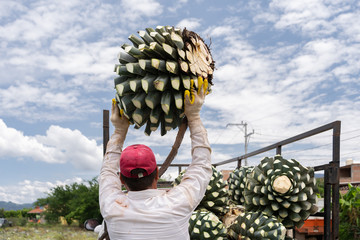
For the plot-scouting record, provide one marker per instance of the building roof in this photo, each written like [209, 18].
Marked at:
[350, 165]
[36, 210]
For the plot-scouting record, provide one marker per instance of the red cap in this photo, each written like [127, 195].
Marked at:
[137, 156]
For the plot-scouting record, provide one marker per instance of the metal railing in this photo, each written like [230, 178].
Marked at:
[331, 171]
[331, 174]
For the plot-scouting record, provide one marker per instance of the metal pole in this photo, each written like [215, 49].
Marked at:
[246, 136]
[105, 129]
[335, 179]
[327, 204]
[278, 150]
[246, 142]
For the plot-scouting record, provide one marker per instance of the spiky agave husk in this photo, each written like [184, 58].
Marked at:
[236, 182]
[206, 225]
[282, 188]
[256, 225]
[216, 197]
[154, 73]
[234, 211]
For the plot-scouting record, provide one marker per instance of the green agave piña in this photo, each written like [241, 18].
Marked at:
[216, 197]
[154, 73]
[256, 225]
[236, 182]
[282, 188]
[206, 225]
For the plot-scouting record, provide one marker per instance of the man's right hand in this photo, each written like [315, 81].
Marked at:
[194, 100]
[118, 119]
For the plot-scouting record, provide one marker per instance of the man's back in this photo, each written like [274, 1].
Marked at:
[152, 213]
[149, 214]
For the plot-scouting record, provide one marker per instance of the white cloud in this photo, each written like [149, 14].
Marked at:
[41, 21]
[220, 31]
[189, 23]
[314, 18]
[136, 9]
[54, 54]
[280, 90]
[31, 103]
[59, 145]
[28, 191]
[8, 7]
[347, 22]
[177, 5]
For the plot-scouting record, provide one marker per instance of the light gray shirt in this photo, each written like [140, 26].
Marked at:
[153, 213]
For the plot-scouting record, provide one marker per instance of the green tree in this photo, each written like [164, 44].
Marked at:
[350, 214]
[73, 202]
[17, 213]
[2, 213]
[320, 186]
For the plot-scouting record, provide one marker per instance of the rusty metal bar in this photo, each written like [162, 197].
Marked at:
[327, 204]
[239, 163]
[336, 180]
[175, 164]
[282, 143]
[105, 129]
[278, 150]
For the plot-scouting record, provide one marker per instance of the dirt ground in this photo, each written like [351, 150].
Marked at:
[46, 232]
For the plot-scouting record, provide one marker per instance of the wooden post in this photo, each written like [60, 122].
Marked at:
[105, 129]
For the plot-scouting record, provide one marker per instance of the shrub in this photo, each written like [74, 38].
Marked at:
[18, 221]
[350, 214]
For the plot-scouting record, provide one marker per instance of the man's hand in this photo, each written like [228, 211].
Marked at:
[194, 100]
[117, 118]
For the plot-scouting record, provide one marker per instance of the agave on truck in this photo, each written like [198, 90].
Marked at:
[216, 197]
[282, 188]
[236, 182]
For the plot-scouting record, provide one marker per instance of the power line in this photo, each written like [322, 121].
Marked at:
[342, 140]
[349, 153]
[323, 145]
[275, 136]
[351, 131]
[246, 135]
[217, 139]
[270, 115]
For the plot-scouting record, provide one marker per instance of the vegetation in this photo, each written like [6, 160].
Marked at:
[43, 232]
[350, 214]
[73, 202]
[320, 186]
[17, 217]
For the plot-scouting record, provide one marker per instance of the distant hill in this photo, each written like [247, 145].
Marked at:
[7, 206]
[319, 175]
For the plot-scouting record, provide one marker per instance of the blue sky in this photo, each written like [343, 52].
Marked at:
[284, 67]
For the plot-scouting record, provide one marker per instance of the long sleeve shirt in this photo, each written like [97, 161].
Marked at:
[153, 213]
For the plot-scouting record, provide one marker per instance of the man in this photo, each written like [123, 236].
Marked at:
[146, 212]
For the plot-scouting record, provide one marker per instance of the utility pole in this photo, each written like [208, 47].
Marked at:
[246, 135]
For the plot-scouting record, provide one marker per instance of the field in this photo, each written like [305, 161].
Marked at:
[46, 232]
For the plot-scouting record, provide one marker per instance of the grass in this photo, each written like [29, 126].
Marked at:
[46, 232]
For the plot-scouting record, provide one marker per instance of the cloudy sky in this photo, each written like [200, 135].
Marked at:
[283, 67]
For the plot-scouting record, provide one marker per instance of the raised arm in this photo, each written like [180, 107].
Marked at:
[198, 174]
[109, 181]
